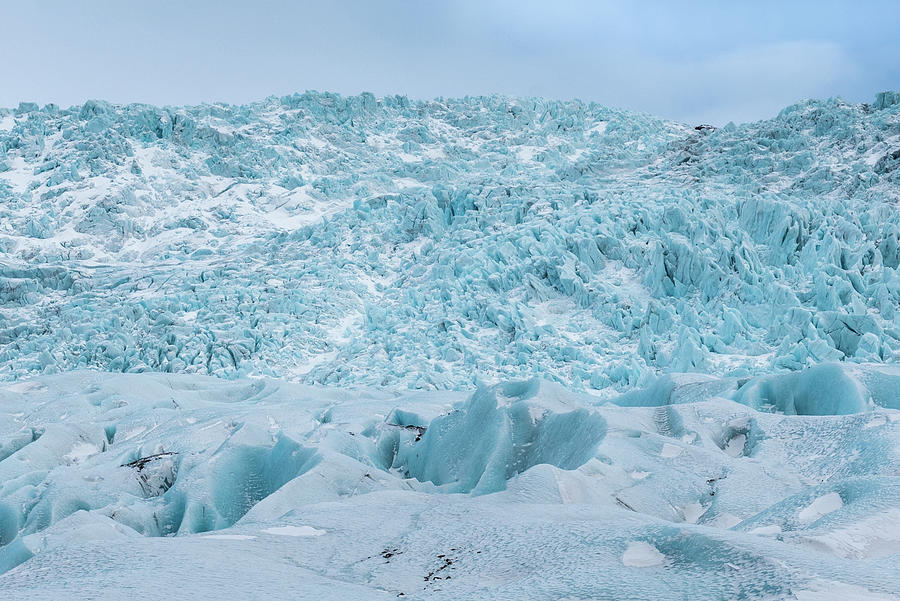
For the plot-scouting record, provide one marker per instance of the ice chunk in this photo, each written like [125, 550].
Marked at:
[481, 444]
[670, 450]
[640, 554]
[820, 507]
[821, 390]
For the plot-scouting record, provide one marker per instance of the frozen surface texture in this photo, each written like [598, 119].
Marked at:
[112, 483]
[386, 242]
[569, 352]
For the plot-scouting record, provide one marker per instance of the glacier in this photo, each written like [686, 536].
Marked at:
[425, 245]
[487, 347]
[698, 487]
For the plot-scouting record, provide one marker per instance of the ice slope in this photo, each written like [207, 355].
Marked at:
[144, 486]
[427, 245]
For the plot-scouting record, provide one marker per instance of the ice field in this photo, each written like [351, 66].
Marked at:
[255, 489]
[324, 347]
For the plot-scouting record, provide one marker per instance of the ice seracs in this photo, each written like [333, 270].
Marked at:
[388, 242]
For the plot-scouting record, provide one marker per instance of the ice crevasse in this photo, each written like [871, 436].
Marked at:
[389, 242]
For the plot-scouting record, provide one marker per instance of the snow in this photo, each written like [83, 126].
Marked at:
[294, 531]
[693, 512]
[600, 128]
[735, 446]
[642, 555]
[81, 451]
[669, 451]
[24, 386]
[874, 535]
[820, 507]
[189, 474]
[766, 530]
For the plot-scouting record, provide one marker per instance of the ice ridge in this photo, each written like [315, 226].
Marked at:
[390, 242]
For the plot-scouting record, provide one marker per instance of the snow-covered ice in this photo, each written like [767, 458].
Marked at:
[820, 507]
[294, 531]
[520, 490]
[297, 238]
[642, 555]
[325, 347]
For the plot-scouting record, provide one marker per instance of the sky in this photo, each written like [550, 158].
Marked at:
[697, 62]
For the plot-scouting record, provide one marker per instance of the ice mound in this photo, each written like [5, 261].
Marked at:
[430, 245]
[479, 446]
[695, 486]
[827, 389]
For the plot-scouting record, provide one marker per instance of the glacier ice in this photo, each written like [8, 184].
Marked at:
[465, 348]
[389, 242]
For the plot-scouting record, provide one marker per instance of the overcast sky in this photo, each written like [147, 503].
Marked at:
[691, 61]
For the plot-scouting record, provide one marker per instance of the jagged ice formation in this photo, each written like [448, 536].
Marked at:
[364, 241]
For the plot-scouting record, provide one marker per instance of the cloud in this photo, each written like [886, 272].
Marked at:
[756, 82]
[704, 62]
[746, 84]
